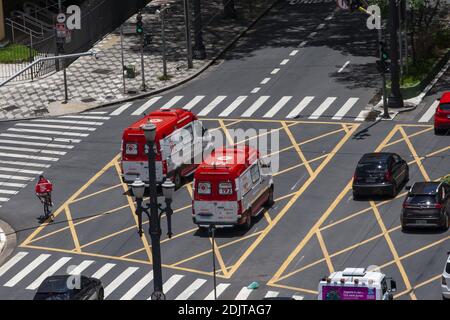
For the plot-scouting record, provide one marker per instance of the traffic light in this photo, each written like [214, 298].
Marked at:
[139, 24]
[383, 53]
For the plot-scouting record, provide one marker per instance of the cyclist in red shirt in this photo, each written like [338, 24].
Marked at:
[44, 190]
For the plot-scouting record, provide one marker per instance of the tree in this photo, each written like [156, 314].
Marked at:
[229, 11]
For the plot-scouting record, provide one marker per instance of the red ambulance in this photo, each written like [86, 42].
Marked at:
[177, 131]
[230, 187]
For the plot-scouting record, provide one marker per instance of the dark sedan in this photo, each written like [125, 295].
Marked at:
[67, 287]
[379, 174]
[427, 205]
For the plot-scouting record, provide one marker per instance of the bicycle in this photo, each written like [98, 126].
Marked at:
[46, 201]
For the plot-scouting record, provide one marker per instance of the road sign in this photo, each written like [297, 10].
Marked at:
[61, 18]
[343, 4]
[61, 30]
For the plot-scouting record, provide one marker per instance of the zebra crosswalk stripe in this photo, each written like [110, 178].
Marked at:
[345, 108]
[271, 294]
[12, 262]
[297, 297]
[61, 153]
[173, 280]
[322, 108]
[429, 113]
[145, 106]
[36, 144]
[23, 171]
[243, 294]
[119, 280]
[220, 288]
[172, 102]
[50, 132]
[211, 106]
[236, 103]
[88, 123]
[277, 107]
[25, 271]
[54, 126]
[103, 270]
[121, 109]
[193, 102]
[255, 106]
[191, 289]
[24, 156]
[299, 108]
[138, 287]
[81, 267]
[51, 139]
[49, 272]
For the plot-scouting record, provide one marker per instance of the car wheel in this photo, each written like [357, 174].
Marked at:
[446, 224]
[404, 229]
[177, 180]
[101, 295]
[270, 201]
[437, 131]
[248, 221]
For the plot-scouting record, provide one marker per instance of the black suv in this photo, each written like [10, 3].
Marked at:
[379, 174]
[59, 287]
[426, 205]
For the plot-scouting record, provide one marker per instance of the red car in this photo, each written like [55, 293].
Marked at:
[442, 115]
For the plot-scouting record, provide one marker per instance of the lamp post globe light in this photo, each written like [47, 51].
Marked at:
[153, 210]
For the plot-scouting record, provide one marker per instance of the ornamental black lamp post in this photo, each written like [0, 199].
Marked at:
[395, 99]
[153, 210]
[199, 48]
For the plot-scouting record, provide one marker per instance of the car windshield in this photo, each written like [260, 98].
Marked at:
[372, 166]
[53, 286]
[445, 106]
[421, 199]
[52, 296]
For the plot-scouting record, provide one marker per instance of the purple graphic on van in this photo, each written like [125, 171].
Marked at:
[348, 293]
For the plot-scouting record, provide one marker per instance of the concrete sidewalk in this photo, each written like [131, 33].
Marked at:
[95, 82]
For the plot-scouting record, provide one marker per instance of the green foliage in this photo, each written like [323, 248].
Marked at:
[446, 179]
[16, 53]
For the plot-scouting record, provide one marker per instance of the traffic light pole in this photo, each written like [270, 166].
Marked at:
[188, 34]
[383, 77]
[395, 99]
[142, 62]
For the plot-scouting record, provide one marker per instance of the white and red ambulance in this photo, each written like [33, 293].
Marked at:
[230, 187]
[177, 131]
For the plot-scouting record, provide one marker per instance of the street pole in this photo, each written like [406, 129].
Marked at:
[123, 59]
[400, 41]
[383, 77]
[199, 47]
[66, 94]
[213, 240]
[154, 228]
[188, 34]
[395, 99]
[163, 34]
[142, 62]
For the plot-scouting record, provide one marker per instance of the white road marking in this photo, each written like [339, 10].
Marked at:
[103, 270]
[191, 289]
[255, 106]
[121, 109]
[172, 102]
[173, 280]
[21, 136]
[277, 107]
[37, 144]
[312, 34]
[26, 164]
[59, 133]
[285, 61]
[271, 294]
[343, 67]
[256, 90]
[296, 297]
[220, 288]
[119, 280]
[8, 191]
[92, 123]
[345, 108]
[95, 112]
[275, 71]
[145, 106]
[321, 26]
[429, 113]
[12, 185]
[329, 17]
[322, 108]
[362, 115]
[303, 43]
[61, 153]
[299, 108]
[81, 267]
[211, 106]
[233, 106]
[10, 177]
[243, 294]
[25, 271]
[48, 272]
[51, 126]
[18, 170]
[193, 102]
[265, 80]
[24, 156]
[293, 53]
[12, 262]
[85, 117]
[4, 199]
[138, 287]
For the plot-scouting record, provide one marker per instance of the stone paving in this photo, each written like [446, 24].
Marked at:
[97, 81]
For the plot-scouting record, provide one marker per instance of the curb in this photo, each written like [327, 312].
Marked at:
[175, 85]
[413, 103]
[8, 241]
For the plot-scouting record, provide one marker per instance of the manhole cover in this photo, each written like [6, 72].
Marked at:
[87, 100]
[10, 108]
[102, 71]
